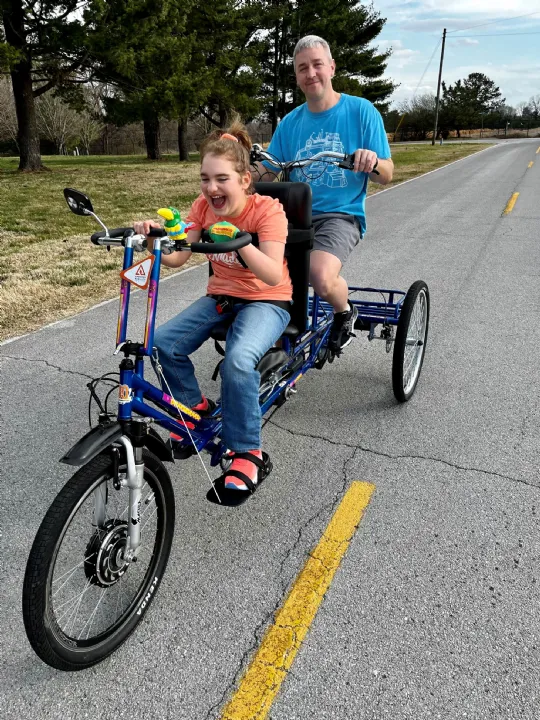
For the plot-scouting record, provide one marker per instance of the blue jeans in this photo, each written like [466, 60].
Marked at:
[255, 329]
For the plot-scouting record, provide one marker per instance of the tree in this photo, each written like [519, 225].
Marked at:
[42, 47]
[464, 103]
[8, 117]
[228, 39]
[419, 116]
[140, 50]
[348, 26]
[534, 104]
[57, 122]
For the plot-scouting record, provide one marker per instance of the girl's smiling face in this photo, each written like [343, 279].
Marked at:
[222, 186]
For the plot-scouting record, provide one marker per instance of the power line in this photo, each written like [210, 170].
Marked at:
[498, 34]
[427, 67]
[491, 22]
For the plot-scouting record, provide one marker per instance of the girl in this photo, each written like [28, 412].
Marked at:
[260, 299]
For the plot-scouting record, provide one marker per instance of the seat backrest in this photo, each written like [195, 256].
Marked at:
[296, 200]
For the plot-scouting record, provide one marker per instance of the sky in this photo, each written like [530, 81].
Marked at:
[414, 27]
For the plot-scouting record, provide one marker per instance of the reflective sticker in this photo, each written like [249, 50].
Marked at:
[139, 274]
[125, 394]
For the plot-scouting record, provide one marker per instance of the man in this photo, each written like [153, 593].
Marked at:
[332, 121]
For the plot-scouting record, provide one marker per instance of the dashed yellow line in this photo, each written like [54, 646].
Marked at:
[531, 164]
[510, 205]
[538, 151]
[262, 681]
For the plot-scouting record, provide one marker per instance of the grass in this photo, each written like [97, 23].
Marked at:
[48, 268]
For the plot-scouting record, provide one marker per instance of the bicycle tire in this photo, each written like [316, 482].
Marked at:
[100, 564]
[410, 342]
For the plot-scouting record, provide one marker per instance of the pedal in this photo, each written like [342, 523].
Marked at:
[182, 452]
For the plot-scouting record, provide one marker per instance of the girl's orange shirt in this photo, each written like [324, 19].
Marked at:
[262, 215]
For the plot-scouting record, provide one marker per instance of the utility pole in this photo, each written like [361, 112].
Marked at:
[439, 89]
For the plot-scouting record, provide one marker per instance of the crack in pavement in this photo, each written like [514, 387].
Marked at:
[50, 365]
[428, 458]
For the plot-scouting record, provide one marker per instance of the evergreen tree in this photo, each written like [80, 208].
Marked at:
[139, 48]
[347, 26]
[42, 47]
[227, 33]
[465, 102]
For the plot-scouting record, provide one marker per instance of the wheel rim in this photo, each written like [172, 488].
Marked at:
[92, 591]
[415, 342]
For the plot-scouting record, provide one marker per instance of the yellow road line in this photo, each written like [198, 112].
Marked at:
[262, 680]
[531, 164]
[511, 203]
[538, 151]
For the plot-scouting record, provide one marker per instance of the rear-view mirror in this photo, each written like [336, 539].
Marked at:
[78, 202]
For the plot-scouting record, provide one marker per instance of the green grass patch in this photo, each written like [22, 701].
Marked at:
[51, 270]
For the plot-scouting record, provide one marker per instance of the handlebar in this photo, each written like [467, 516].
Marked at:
[207, 246]
[257, 154]
[117, 237]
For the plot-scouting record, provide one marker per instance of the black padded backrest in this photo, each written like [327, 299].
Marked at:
[296, 200]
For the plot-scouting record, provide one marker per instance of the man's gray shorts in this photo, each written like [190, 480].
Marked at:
[337, 234]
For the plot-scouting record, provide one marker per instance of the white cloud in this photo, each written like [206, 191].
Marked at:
[401, 56]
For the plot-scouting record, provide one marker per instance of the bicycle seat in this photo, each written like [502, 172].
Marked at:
[296, 200]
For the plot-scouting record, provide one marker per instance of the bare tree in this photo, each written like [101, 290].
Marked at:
[8, 116]
[534, 104]
[57, 122]
[90, 129]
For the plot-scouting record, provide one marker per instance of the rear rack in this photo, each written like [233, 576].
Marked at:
[369, 311]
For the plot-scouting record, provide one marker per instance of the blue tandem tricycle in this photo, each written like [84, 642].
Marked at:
[103, 546]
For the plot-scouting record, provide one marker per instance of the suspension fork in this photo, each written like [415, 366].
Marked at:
[134, 481]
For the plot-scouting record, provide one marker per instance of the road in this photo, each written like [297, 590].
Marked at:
[433, 611]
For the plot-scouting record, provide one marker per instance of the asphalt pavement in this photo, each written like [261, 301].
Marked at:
[433, 611]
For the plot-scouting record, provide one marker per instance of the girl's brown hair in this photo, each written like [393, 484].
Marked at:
[236, 152]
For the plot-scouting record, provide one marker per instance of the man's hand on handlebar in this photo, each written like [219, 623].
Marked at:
[364, 160]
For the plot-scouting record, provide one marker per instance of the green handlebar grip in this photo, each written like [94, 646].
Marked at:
[222, 232]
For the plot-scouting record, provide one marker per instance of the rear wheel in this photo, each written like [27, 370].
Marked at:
[410, 342]
[81, 597]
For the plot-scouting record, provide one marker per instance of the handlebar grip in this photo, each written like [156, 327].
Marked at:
[113, 235]
[240, 241]
[348, 163]
[157, 232]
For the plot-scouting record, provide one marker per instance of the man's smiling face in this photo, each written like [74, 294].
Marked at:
[314, 73]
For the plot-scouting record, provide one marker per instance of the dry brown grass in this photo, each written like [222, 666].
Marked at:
[49, 270]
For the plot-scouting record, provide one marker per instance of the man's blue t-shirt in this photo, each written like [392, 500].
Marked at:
[350, 124]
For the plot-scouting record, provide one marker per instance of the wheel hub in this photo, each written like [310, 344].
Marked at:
[105, 562]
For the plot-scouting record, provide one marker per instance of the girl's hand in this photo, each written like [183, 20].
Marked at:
[143, 227]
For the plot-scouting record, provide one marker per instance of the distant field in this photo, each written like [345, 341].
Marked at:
[48, 268]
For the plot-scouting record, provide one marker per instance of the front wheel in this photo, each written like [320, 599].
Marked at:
[81, 597]
[410, 342]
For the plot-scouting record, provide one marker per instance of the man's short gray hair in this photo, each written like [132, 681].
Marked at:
[311, 41]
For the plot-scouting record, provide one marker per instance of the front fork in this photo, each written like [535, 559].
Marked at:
[134, 481]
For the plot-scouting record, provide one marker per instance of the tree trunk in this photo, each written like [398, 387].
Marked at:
[21, 79]
[182, 139]
[222, 112]
[152, 139]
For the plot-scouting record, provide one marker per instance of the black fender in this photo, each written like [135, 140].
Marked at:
[155, 443]
[102, 436]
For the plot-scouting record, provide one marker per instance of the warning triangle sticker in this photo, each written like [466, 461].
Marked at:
[139, 274]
